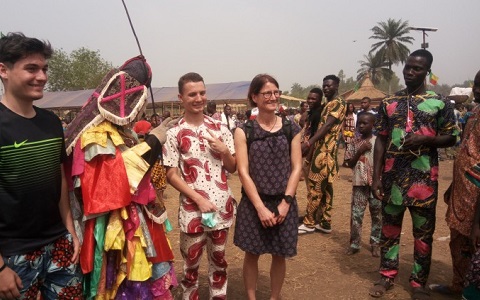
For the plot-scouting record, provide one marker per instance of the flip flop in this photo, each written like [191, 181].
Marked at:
[380, 287]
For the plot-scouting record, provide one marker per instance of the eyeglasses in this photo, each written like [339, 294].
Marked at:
[268, 95]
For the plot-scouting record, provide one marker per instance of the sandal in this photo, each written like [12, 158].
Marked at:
[420, 293]
[380, 287]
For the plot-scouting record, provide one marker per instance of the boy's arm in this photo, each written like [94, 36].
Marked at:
[10, 282]
[180, 185]
[322, 131]
[229, 162]
[378, 163]
[357, 154]
[66, 214]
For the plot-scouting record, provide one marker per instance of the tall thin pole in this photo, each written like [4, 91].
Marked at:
[424, 46]
[140, 49]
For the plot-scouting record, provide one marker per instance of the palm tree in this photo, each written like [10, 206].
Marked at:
[376, 66]
[392, 36]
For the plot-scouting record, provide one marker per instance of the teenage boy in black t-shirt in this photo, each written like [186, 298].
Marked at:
[38, 245]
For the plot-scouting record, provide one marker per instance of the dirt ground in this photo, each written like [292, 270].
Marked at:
[321, 270]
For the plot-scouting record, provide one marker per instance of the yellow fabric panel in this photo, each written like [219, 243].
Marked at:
[115, 236]
[135, 165]
[140, 268]
[99, 135]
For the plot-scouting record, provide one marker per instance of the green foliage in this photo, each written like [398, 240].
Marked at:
[81, 69]
[376, 67]
[300, 92]
[346, 84]
[440, 89]
[393, 37]
[394, 84]
[390, 49]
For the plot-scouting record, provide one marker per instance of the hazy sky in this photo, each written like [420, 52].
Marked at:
[225, 41]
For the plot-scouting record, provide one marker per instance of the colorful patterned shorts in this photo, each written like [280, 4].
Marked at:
[48, 271]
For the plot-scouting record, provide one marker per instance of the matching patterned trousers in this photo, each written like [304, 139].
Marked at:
[319, 205]
[361, 196]
[423, 220]
[191, 247]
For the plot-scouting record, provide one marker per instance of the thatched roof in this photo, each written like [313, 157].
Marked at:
[347, 94]
[367, 89]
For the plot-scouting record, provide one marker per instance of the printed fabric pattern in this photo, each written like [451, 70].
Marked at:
[203, 171]
[410, 178]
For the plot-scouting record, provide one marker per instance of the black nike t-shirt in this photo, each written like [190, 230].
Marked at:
[31, 153]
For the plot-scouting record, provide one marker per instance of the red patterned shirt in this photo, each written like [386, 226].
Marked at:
[202, 169]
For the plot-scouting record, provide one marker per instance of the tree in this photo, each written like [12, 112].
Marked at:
[376, 66]
[346, 85]
[298, 91]
[341, 75]
[392, 84]
[81, 69]
[393, 37]
[441, 89]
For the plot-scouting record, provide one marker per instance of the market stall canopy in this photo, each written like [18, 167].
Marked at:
[460, 94]
[290, 101]
[232, 92]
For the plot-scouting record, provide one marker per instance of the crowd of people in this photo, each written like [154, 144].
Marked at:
[94, 224]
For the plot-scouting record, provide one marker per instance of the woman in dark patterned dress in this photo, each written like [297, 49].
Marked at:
[269, 165]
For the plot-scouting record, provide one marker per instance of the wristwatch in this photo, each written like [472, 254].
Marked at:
[288, 199]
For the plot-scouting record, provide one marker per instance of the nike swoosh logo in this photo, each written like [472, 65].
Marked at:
[19, 144]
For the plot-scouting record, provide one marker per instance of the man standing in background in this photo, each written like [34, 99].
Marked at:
[323, 160]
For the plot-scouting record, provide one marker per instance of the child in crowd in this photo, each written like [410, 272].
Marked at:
[360, 151]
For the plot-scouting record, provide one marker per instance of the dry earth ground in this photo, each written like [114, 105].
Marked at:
[321, 270]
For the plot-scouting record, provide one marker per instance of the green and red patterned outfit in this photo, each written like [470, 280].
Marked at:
[410, 176]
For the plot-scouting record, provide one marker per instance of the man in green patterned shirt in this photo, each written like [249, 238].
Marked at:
[411, 125]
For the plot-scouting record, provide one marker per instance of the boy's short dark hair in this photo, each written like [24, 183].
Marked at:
[317, 91]
[367, 98]
[367, 114]
[332, 77]
[15, 46]
[425, 54]
[189, 77]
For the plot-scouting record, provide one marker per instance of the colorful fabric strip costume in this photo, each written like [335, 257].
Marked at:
[118, 208]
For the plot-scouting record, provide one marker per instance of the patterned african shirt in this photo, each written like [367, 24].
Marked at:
[410, 178]
[363, 169]
[324, 162]
[465, 188]
[202, 169]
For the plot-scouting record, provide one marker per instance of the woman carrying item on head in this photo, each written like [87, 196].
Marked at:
[269, 165]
